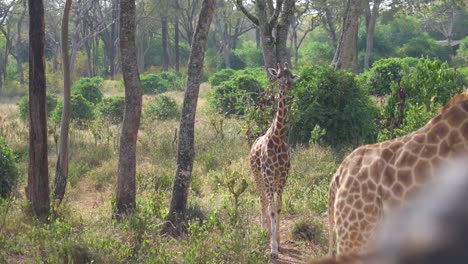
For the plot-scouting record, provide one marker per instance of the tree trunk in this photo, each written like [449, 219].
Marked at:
[370, 33]
[61, 170]
[165, 43]
[176, 44]
[37, 190]
[176, 222]
[19, 62]
[126, 187]
[346, 49]
[282, 30]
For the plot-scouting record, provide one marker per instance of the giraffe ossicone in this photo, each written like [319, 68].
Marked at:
[270, 162]
[377, 177]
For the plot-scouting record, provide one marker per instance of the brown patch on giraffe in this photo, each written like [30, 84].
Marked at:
[458, 149]
[376, 169]
[363, 174]
[429, 151]
[464, 130]
[454, 138]
[388, 176]
[358, 204]
[422, 171]
[405, 177]
[371, 185]
[437, 133]
[394, 146]
[406, 159]
[436, 119]
[388, 155]
[444, 149]
[369, 209]
[397, 189]
[436, 162]
[455, 116]
[414, 147]
[420, 138]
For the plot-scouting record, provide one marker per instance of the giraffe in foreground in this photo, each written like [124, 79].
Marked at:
[430, 230]
[269, 160]
[374, 178]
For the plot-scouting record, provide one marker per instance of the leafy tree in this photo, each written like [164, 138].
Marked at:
[424, 46]
[52, 102]
[332, 100]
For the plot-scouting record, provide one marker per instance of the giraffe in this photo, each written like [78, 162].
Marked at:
[269, 160]
[376, 178]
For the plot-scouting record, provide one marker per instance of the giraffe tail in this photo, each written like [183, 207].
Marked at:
[331, 217]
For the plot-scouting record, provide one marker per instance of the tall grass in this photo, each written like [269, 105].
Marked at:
[224, 210]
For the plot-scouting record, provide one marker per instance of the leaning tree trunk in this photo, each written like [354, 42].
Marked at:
[37, 190]
[370, 33]
[61, 170]
[176, 222]
[126, 188]
[346, 49]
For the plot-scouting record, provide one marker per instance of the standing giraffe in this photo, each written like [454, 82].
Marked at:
[269, 160]
[374, 178]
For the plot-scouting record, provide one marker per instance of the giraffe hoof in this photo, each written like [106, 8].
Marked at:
[274, 255]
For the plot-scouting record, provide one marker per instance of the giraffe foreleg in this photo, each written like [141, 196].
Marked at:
[279, 206]
[273, 220]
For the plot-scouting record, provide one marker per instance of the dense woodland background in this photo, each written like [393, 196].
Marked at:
[370, 71]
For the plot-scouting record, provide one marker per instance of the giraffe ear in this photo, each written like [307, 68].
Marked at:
[273, 72]
[295, 77]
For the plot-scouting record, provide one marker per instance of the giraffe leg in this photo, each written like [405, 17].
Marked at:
[279, 206]
[273, 215]
[260, 184]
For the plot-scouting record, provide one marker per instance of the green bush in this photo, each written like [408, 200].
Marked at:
[334, 101]
[81, 110]
[175, 80]
[8, 170]
[383, 73]
[162, 107]
[52, 102]
[427, 86]
[232, 96]
[424, 46]
[250, 55]
[89, 88]
[221, 76]
[112, 108]
[153, 83]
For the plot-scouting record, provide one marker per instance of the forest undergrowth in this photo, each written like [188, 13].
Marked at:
[224, 213]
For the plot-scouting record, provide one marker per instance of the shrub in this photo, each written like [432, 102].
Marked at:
[112, 108]
[426, 87]
[383, 73]
[424, 46]
[305, 229]
[221, 76]
[232, 96]
[81, 110]
[52, 102]
[175, 80]
[89, 88]
[8, 170]
[334, 101]
[250, 55]
[162, 107]
[153, 83]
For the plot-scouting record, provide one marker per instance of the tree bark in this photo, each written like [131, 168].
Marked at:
[176, 44]
[19, 61]
[370, 33]
[165, 43]
[126, 187]
[61, 170]
[176, 222]
[37, 189]
[346, 49]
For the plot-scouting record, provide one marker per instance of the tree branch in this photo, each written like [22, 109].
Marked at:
[274, 18]
[246, 12]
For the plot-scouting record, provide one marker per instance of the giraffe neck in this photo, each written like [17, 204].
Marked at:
[278, 128]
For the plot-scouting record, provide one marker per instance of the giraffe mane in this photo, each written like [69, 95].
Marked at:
[455, 100]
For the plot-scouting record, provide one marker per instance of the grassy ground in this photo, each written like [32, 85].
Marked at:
[222, 229]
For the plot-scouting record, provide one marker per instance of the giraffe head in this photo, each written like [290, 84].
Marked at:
[284, 77]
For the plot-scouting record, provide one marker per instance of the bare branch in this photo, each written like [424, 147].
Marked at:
[241, 7]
